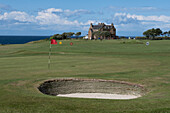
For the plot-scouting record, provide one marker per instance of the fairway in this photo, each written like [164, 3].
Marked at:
[23, 67]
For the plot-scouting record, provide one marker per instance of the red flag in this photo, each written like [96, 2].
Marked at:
[53, 41]
[71, 43]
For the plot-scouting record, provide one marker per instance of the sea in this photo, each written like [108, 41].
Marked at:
[20, 39]
[25, 39]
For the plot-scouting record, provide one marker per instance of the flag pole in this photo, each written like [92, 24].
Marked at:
[49, 60]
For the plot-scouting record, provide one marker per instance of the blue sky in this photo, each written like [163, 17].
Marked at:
[48, 17]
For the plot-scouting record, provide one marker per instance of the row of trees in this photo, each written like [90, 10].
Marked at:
[152, 33]
[166, 33]
[102, 34]
[65, 35]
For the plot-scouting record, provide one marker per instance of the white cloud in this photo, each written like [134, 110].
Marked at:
[122, 18]
[67, 12]
[133, 8]
[52, 10]
[145, 8]
[76, 12]
[125, 18]
[89, 22]
[5, 7]
[48, 18]
[61, 17]
[18, 16]
[161, 18]
[58, 18]
[132, 23]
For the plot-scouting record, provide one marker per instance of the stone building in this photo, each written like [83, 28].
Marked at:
[101, 27]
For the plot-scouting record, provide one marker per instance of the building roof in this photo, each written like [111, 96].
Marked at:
[102, 25]
[97, 26]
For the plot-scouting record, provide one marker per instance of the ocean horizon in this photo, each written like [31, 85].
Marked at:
[25, 39]
[20, 39]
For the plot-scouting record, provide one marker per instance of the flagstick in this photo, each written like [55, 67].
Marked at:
[49, 57]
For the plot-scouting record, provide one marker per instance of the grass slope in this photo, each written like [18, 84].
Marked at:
[23, 67]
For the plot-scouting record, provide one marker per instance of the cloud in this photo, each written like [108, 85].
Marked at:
[53, 10]
[17, 16]
[68, 13]
[122, 18]
[161, 18]
[124, 9]
[132, 23]
[61, 17]
[89, 22]
[79, 12]
[126, 18]
[62, 20]
[48, 19]
[5, 7]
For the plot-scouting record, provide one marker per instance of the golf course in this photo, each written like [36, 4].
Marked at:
[24, 67]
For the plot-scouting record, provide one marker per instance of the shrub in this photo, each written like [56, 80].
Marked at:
[156, 38]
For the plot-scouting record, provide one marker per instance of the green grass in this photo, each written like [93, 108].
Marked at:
[23, 67]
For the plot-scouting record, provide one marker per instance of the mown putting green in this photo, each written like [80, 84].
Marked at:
[24, 67]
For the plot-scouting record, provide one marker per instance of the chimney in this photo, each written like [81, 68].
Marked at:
[91, 24]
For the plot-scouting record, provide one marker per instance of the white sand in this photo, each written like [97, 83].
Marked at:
[99, 96]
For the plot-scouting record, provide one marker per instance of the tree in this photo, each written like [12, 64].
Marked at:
[165, 33]
[66, 35]
[158, 32]
[102, 34]
[146, 33]
[97, 34]
[69, 34]
[62, 36]
[105, 34]
[57, 37]
[168, 33]
[152, 33]
[78, 34]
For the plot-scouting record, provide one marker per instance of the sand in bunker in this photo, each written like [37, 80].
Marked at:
[99, 96]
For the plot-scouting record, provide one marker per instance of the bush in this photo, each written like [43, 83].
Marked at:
[122, 37]
[141, 38]
[156, 38]
[166, 38]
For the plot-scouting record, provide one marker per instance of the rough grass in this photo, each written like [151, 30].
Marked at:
[23, 67]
